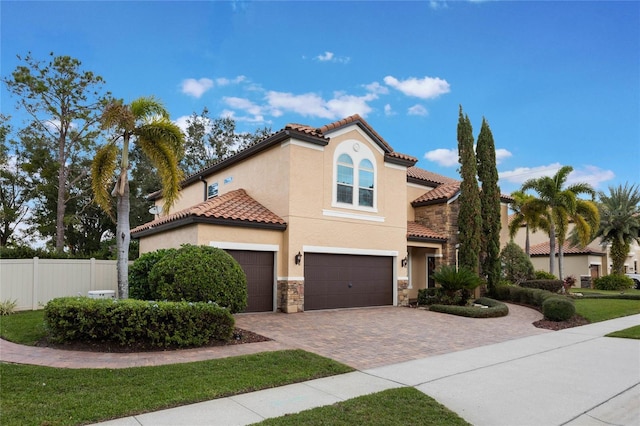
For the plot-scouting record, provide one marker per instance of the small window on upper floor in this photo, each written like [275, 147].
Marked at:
[355, 177]
[212, 190]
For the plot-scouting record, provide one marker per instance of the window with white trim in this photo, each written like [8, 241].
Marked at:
[355, 177]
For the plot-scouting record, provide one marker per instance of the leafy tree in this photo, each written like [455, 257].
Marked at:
[14, 185]
[619, 222]
[63, 103]
[516, 265]
[146, 123]
[525, 214]
[469, 219]
[490, 206]
[562, 205]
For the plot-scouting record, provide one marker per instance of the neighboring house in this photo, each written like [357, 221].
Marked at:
[319, 218]
[588, 262]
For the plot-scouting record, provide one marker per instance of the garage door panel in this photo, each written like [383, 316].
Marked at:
[258, 267]
[340, 281]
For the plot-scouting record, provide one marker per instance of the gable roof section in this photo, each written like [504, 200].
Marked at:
[419, 232]
[235, 208]
[441, 194]
[425, 177]
[543, 249]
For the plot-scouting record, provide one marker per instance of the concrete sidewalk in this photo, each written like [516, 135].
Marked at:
[570, 377]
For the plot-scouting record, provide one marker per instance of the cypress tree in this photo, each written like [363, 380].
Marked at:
[469, 219]
[490, 206]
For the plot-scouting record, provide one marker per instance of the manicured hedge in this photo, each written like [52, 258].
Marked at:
[613, 282]
[553, 285]
[495, 309]
[558, 308]
[535, 297]
[135, 322]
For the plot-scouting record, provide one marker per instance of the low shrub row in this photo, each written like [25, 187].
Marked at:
[495, 309]
[560, 309]
[613, 282]
[552, 285]
[137, 323]
[607, 296]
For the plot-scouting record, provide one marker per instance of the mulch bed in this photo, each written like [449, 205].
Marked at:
[240, 336]
[576, 321]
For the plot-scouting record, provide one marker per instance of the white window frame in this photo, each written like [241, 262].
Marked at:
[358, 151]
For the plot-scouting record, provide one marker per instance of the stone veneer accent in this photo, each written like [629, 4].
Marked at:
[403, 292]
[442, 218]
[290, 296]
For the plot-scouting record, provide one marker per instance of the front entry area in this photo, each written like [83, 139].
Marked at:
[346, 281]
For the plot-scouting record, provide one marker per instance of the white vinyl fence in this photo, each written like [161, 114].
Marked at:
[33, 282]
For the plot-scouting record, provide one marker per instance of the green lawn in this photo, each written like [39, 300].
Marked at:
[596, 310]
[401, 406]
[627, 333]
[33, 395]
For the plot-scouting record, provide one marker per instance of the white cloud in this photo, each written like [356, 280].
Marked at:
[442, 156]
[331, 57]
[417, 110]
[196, 88]
[377, 88]
[425, 88]
[388, 111]
[313, 105]
[592, 175]
[501, 154]
[521, 174]
[223, 81]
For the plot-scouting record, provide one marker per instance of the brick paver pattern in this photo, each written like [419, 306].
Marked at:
[361, 338]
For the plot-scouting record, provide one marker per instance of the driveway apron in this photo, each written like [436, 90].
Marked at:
[366, 338]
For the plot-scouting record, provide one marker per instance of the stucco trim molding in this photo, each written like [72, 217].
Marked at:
[355, 216]
[229, 245]
[348, 250]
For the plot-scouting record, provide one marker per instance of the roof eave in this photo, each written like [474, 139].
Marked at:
[190, 220]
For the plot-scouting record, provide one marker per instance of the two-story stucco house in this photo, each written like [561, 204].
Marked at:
[318, 218]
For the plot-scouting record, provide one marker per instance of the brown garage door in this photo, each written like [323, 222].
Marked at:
[346, 281]
[258, 266]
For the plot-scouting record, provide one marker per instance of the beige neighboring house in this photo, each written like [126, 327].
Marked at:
[584, 263]
[319, 218]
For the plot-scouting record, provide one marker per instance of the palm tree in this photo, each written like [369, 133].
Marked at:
[562, 205]
[146, 123]
[524, 213]
[619, 222]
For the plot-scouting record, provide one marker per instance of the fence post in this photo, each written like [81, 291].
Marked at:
[93, 274]
[34, 286]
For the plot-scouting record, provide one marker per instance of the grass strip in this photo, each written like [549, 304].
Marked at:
[34, 395]
[25, 328]
[627, 333]
[596, 310]
[401, 406]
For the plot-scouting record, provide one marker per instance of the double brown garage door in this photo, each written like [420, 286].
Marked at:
[346, 281]
[258, 267]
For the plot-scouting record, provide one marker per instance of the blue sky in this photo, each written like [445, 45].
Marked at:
[558, 82]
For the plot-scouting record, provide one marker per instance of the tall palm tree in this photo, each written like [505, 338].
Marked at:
[524, 213]
[146, 123]
[562, 205]
[619, 222]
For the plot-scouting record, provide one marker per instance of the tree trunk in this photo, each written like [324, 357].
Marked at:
[60, 208]
[527, 244]
[123, 238]
[561, 261]
[552, 248]
[618, 252]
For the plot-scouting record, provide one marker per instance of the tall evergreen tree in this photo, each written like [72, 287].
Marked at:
[63, 103]
[469, 218]
[490, 206]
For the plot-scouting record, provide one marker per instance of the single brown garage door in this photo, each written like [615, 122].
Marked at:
[347, 281]
[258, 267]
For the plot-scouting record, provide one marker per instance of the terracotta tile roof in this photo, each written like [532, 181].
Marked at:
[401, 156]
[543, 249]
[355, 119]
[425, 175]
[416, 230]
[303, 128]
[235, 206]
[442, 193]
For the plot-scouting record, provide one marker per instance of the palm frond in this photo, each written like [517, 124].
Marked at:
[103, 167]
[145, 108]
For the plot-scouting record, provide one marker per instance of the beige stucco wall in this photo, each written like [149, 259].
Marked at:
[170, 239]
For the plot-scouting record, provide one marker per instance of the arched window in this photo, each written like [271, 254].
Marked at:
[365, 183]
[344, 190]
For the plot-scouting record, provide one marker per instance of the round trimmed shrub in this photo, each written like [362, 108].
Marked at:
[140, 286]
[544, 275]
[516, 265]
[613, 282]
[558, 309]
[201, 274]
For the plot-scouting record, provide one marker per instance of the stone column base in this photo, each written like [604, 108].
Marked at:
[290, 296]
[403, 292]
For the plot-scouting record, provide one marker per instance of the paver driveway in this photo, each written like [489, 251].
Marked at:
[373, 337]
